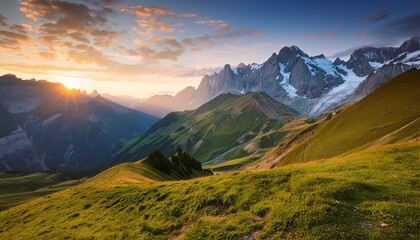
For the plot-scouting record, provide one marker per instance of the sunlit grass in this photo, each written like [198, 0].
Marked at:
[340, 198]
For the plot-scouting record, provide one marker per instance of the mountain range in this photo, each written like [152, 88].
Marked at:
[47, 126]
[357, 178]
[240, 112]
[308, 84]
[211, 131]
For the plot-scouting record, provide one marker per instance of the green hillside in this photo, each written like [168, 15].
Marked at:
[347, 197]
[16, 188]
[155, 167]
[212, 131]
[390, 114]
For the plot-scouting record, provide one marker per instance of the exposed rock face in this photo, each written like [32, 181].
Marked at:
[310, 85]
[382, 75]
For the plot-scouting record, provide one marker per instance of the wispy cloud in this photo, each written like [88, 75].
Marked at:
[377, 16]
[396, 30]
[330, 36]
[218, 24]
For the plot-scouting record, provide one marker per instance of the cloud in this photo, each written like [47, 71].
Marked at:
[218, 24]
[330, 36]
[10, 40]
[377, 16]
[346, 52]
[169, 49]
[86, 54]
[76, 20]
[397, 30]
[211, 40]
[149, 19]
[46, 55]
[181, 71]
[3, 21]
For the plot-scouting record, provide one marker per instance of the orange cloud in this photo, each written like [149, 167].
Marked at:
[148, 18]
[46, 55]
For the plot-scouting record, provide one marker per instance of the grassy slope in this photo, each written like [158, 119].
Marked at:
[256, 153]
[210, 130]
[390, 114]
[138, 172]
[341, 198]
[16, 188]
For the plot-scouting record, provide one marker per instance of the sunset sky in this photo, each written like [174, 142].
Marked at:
[143, 48]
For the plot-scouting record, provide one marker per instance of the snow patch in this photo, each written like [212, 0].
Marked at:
[255, 66]
[290, 90]
[234, 70]
[411, 56]
[376, 65]
[339, 93]
[321, 63]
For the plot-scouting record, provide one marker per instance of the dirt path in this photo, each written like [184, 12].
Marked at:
[390, 135]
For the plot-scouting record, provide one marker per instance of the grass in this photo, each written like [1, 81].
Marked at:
[17, 188]
[345, 197]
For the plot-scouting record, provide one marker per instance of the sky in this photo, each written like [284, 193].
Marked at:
[143, 48]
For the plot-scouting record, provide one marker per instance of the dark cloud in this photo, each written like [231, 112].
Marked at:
[397, 30]
[377, 16]
[3, 21]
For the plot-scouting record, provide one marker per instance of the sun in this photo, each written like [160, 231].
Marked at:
[70, 84]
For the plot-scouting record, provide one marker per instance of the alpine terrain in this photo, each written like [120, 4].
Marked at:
[308, 84]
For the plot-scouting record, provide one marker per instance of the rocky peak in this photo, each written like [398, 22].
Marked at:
[241, 65]
[411, 45]
[9, 78]
[338, 61]
[319, 56]
[289, 54]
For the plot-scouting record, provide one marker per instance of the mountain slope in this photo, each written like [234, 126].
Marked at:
[390, 114]
[309, 84]
[57, 128]
[212, 130]
[155, 167]
[373, 194]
